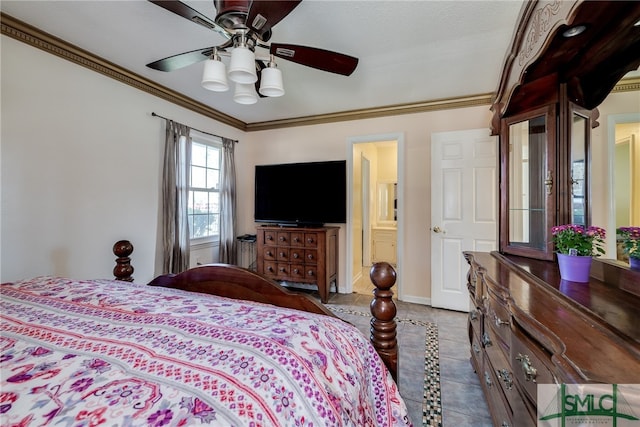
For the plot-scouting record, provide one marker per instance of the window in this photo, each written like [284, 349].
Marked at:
[204, 192]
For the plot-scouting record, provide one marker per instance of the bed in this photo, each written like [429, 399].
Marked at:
[189, 349]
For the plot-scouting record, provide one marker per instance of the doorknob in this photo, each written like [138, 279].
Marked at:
[437, 229]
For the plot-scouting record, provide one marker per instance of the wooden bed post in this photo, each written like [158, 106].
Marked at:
[383, 310]
[123, 269]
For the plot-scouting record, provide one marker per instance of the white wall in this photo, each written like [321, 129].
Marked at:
[329, 141]
[81, 165]
[81, 161]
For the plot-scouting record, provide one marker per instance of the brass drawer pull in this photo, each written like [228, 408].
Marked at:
[486, 340]
[487, 379]
[530, 372]
[499, 321]
[506, 377]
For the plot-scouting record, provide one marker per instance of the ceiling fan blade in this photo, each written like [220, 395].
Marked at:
[313, 57]
[265, 14]
[192, 15]
[181, 60]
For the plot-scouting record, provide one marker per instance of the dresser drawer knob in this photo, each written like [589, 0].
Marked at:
[296, 271]
[504, 424]
[282, 254]
[476, 348]
[282, 269]
[310, 240]
[473, 314]
[270, 269]
[281, 238]
[530, 372]
[506, 378]
[296, 255]
[269, 237]
[310, 273]
[310, 256]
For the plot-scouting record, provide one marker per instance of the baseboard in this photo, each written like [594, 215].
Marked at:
[416, 300]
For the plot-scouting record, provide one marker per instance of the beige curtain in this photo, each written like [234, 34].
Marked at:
[228, 203]
[175, 197]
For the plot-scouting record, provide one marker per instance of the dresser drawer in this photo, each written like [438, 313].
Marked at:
[283, 270]
[270, 253]
[311, 256]
[270, 237]
[270, 269]
[530, 364]
[296, 255]
[499, 408]
[476, 351]
[310, 273]
[498, 363]
[311, 240]
[498, 318]
[297, 238]
[298, 272]
[282, 254]
[283, 238]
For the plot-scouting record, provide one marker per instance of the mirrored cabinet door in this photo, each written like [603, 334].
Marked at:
[529, 182]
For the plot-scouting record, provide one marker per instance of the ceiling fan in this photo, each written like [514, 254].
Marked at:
[247, 27]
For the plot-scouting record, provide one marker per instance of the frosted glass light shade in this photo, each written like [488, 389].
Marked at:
[214, 76]
[245, 94]
[271, 82]
[242, 68]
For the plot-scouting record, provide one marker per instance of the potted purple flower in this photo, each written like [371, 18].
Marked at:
[575, 247]
[629, 238]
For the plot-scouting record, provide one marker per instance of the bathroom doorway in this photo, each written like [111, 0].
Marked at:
[375, 208]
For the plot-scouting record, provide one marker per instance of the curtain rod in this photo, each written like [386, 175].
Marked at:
[207, 133]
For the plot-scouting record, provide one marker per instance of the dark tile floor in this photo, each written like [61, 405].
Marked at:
[462, 401]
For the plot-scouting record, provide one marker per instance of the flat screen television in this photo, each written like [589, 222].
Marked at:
[301, 194]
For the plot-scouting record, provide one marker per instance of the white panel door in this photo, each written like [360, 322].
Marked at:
[464, 209]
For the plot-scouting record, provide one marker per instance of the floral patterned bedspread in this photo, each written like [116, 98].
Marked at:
[102, 352]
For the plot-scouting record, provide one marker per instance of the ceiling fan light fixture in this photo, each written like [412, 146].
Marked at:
[242, 68]
[271, 81]
[245, 94]
[214, 76]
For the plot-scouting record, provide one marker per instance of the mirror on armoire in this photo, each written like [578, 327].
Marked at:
[594, 179]
[626, 179]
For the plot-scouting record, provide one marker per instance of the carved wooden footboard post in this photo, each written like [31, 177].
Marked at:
[123, 269]
[383, 310]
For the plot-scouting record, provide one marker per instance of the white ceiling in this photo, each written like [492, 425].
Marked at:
[409, 51]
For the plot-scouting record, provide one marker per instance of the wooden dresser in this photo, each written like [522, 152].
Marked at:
[302, 255]
[527, 327]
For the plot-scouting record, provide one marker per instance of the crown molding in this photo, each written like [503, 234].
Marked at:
[370, 113]
[627, 85]
[32, 36]
[37, 38]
